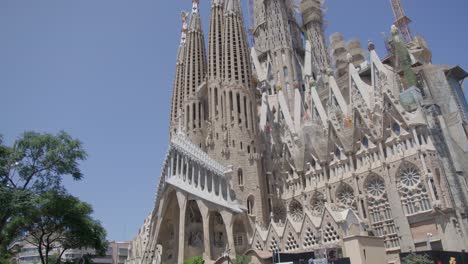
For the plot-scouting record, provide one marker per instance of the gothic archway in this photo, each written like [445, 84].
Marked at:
[218, 235]
[413, 192]
[193, 231]
[241, 243]
[317, 203]
[169, 230]
[380, 213]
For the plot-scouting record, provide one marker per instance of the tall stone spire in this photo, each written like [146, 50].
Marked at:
[312, 19]
[233, 136]
[215, 44]
[177, 92]
[195, 73]
[236, 64]
[278, 45]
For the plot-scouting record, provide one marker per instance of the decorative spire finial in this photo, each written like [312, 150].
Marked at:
[349, 58]
[183, 36]
[370, 45]
[195, 6]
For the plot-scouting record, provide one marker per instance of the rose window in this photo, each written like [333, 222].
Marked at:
[413, 193]
[376, 187]
[317, 203]
[346, 196]
[296, 211]
[410, 176]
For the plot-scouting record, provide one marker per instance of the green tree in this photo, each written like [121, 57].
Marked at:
[194, 260]
[58, 222]
[417, 259]
[36, 163]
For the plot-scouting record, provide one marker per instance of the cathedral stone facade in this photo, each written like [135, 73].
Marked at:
[275, 149]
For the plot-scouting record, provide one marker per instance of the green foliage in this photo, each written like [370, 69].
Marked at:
[417, 259]
[241, 260]
[64, 219]
[39, 161]
[36, 163]
[194, 260]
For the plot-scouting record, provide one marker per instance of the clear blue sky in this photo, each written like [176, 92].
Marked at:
[102, 70]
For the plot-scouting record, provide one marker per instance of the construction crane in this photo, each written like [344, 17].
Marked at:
[401, 20]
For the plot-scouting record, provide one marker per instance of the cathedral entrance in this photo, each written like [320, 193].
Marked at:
[218, 236]
[169, 231]
[193, 231]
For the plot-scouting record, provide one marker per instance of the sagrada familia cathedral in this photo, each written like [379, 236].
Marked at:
[290, 144]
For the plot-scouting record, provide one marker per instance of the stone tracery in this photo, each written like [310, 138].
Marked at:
[296, 211]
[345, 197]
[413, 193]
[380, 213]
[317, 203]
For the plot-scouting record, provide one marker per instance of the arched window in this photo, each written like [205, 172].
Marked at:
[317, 203]
[296, 211]
[396, 128]
[365, 142]
[380, 213]
[250, 205]
[285, 72]
[413, 193]
[240, 177]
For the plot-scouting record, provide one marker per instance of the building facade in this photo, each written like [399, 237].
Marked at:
[117, 253]
[273, 148]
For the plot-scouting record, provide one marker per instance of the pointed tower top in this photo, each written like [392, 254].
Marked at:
[217, 2]
[183, 16]
[195, 6]
[183, 37]
[195, 19]
[232, 6]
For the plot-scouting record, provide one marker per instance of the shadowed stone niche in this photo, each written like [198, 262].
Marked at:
[193, 231]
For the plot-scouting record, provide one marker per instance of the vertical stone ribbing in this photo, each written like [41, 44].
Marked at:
[195, 73]
[232, 98]
[215, 57]
[278, 43]
[177, 92]
[312, 18]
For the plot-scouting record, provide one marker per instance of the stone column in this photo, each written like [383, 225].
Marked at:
[220, 193]
[401, 222]
[228, 223]
[358, 197]
[199, 169]
[182, 200]
[205, 212]
[228, 107]
[205, 176]
[192, 181]
[177, 165]
[327, 192]
[213, 192]
[172, 164]
[228, 190]
[168, 169]
[415, 135]
[186, 163]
